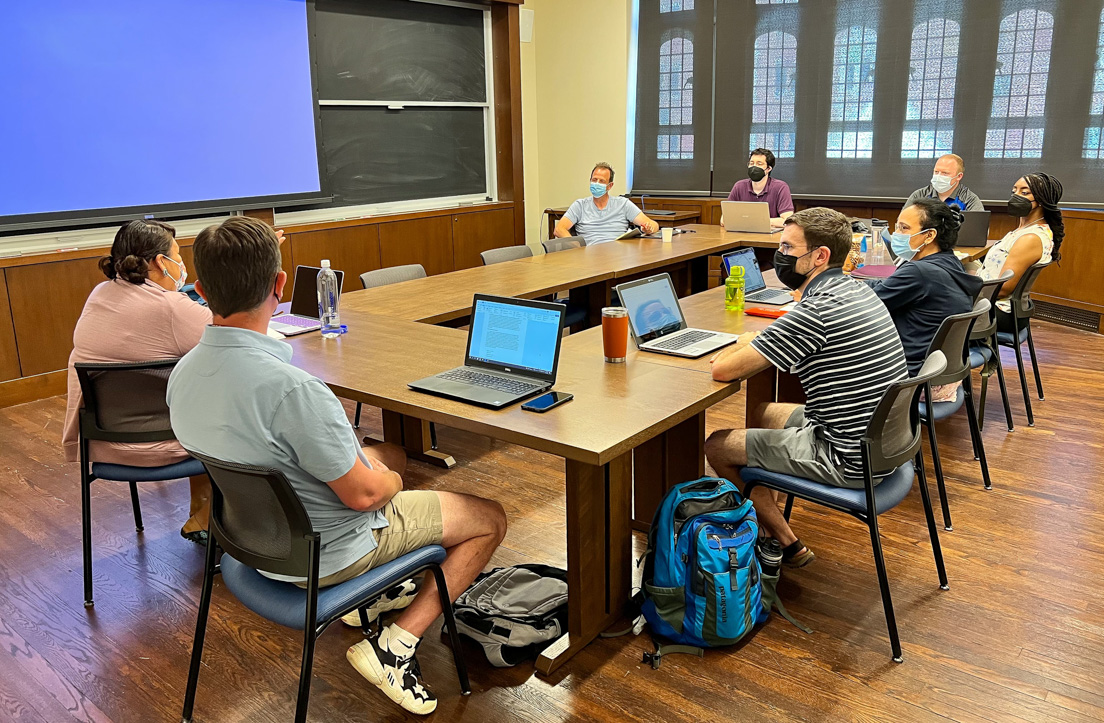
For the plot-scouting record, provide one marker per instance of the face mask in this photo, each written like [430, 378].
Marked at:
[786, 268]
[755, 173]
[1019, 206]
[941, 184]
[183, 274]
[598, 189]
[899, 242]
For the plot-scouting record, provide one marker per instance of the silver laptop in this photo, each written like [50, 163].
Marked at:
[755, 286]
[513, 352]
[974, 231]
[657, 323]
[303, 316]
[747, 217]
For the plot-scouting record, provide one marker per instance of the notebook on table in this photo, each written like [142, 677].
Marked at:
[303, 315]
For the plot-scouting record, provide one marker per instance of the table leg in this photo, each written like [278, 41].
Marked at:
[699, 274]
[677, 455]
[416, 437]
[593, 297]
[759, 390]
[599, 554]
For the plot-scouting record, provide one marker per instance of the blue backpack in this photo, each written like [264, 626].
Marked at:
[701, 575]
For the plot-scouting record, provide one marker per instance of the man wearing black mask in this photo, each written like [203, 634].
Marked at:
[843, 346]
[760, 187]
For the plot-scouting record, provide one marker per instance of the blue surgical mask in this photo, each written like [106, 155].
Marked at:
[182, 280]
[598, 189]
[900, 243]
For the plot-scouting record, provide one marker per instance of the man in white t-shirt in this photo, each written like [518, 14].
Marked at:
[602, 217]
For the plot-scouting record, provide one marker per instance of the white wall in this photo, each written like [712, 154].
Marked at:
[574, 89]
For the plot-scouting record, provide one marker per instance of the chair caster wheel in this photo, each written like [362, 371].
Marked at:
[944, 587]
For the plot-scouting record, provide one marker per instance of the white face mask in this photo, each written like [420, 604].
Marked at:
[183, 274]
[941, 184]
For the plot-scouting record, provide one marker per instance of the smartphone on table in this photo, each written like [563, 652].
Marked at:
[547, 401]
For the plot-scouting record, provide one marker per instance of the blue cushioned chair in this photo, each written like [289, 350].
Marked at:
[891, 448]
[123, 403]
[984, 351]
[953, 339]
[258, 520]
[1023, 308]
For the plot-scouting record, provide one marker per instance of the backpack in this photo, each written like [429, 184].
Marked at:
[701, 574]
[513, 613]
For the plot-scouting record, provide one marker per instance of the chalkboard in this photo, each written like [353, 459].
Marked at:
[399, 50]
[375, 155]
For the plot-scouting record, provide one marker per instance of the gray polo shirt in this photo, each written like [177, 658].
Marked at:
[599, 225]
[237, 398]
[963, 199]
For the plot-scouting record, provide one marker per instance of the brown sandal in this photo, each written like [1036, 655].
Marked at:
[797, 555]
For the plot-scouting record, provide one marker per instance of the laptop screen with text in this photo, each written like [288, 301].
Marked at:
[753, 278]
[519, 337]
[653, 308]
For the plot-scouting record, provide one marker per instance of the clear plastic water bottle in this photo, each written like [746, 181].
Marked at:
[734, 289]
[328, 294]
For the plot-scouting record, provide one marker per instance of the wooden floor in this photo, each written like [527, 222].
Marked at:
[1019, 636]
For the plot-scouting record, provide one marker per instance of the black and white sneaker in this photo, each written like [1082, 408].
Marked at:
[400, 678]
[397, 598]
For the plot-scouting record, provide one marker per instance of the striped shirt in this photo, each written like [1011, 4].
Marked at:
[843, 346]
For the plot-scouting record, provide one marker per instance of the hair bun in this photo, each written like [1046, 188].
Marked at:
[134, 269]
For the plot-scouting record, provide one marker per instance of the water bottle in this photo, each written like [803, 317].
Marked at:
[734, 289]
[327, 301]
[769, 551]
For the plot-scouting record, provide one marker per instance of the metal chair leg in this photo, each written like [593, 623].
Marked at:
[138, 527]
[86, 537]
[883, 584]
[454, 634]
[1023, 385]
[201, 630]
[933, 534]
[356, 417]
[975, 435]
[1000, 378]
[302, 701]
[981, 398]
[1034, 363]
[937, 463]
[789, 507]
[365, 626]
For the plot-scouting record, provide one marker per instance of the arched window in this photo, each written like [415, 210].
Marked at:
[1019, 87]
[676, 96]
[774, 87]
[1094, 134]
[674, 6]
[851, 126]
[933, 68]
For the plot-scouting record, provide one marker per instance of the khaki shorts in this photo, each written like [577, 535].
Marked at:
[796, 450]
[414, 521]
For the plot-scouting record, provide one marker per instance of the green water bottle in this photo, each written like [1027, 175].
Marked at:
[734, 289]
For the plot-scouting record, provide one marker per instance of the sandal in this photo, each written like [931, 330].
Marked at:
[199, 537]
[797, 555]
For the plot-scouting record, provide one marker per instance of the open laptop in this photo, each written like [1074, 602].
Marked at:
[755, 286]
[657, 323]
[513, 352]
[974, 231]
[303, 316]
[747, 217]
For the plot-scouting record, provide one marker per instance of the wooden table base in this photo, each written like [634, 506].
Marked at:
[415, 436]
[677, 455]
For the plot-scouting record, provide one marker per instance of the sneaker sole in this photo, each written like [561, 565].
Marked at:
[362, 657]
[375, 611]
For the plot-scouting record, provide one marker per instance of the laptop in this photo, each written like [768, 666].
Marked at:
[513, 352]
[747, 217]
[755, 286]
[974, 231]
[303, 316]
[657, 323]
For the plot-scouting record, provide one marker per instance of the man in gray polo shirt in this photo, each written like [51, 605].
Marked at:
[602, 217]
[236, 397]
[946, 185]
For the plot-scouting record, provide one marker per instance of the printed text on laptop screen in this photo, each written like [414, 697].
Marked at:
[518, 337]
[753, 279]
[652, 307]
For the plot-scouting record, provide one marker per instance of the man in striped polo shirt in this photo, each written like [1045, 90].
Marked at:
[843, 346]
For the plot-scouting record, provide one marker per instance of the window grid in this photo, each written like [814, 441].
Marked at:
[1019, 87]
[1093, 147]
[774, 2]
[676, 97]
[851, 130]
[674, 6]
[929, 112]
[773, 93]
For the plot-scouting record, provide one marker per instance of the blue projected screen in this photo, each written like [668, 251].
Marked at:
[753, 278]
[518, 337]
[145, 103]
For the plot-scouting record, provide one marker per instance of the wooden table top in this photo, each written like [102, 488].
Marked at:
[616, 406]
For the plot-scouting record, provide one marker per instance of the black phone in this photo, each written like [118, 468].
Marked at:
[547, 401]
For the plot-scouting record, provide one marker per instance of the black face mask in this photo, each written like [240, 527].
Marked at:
[1019, 206]
[786, 268]
[756, 173]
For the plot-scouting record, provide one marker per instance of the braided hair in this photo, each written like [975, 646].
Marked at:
[137, 244]
[1047, 191]
[946, 220]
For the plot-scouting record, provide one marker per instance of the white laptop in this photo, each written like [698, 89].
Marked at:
[303, 316]
[747, 217]
[755, 286]
[657, 323]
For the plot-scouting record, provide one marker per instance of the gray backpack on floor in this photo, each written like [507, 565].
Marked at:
[514, 612]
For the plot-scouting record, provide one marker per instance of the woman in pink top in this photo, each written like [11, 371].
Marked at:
[138, 315]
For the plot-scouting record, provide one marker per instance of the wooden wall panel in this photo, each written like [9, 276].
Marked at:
[354, 250]
[476, 232]
[1082, 265]
[506, 45]
[425, 241]
[43, 321]
[9, 353]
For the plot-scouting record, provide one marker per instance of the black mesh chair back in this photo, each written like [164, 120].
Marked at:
[893, 433]
[506, 253]
[125, 402]
[953, 339]
[392, 275]
[1022, 305]
[990, 291]
[257, 518]
[553, 245]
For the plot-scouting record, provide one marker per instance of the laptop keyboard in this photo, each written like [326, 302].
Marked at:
[766, 295]
[299, 321]
[490, 381]
[683, 340]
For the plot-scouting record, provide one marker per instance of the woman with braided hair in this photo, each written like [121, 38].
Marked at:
[1038, 238]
